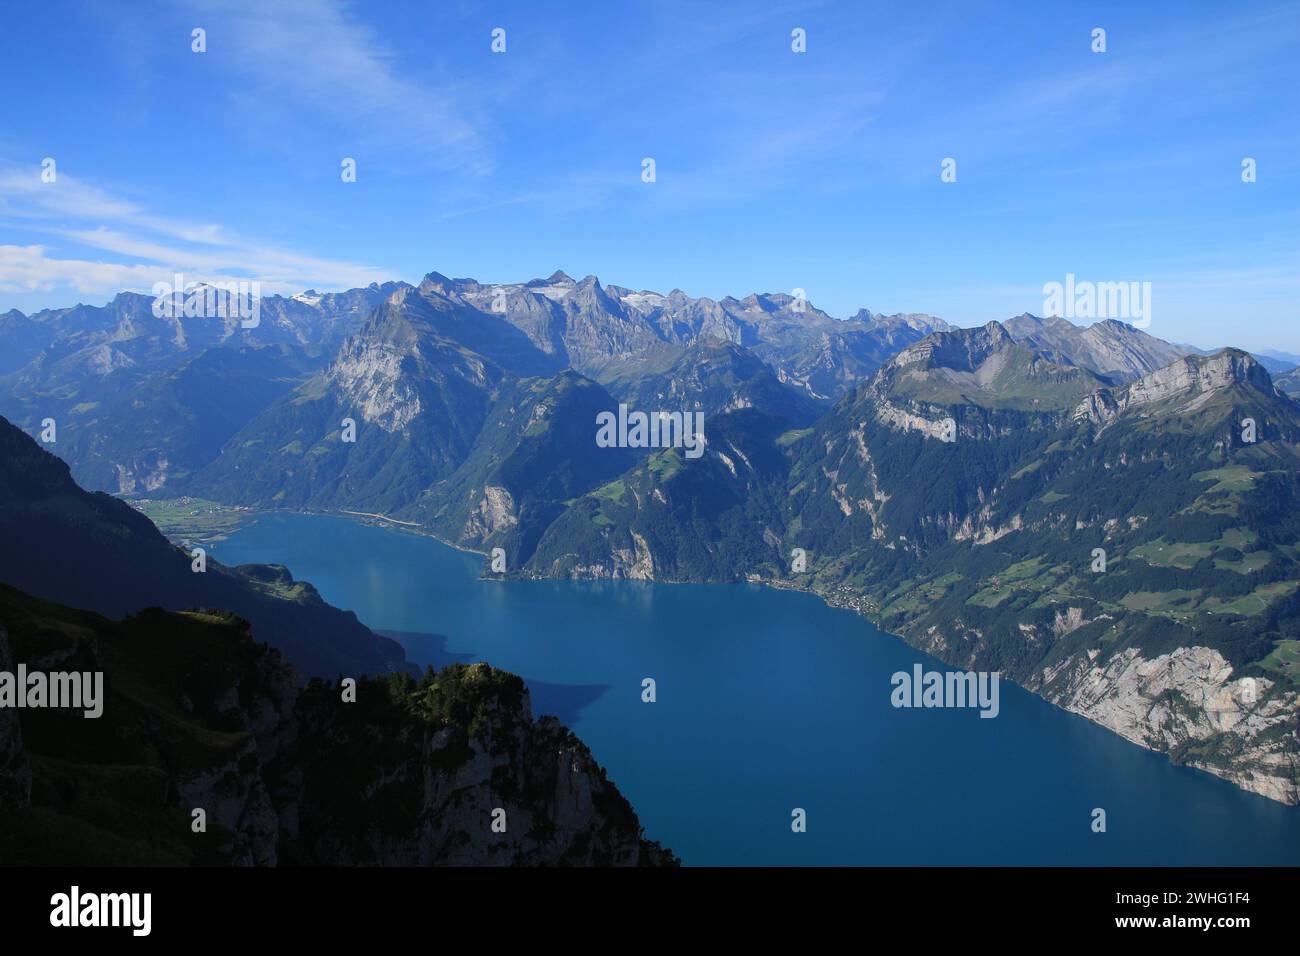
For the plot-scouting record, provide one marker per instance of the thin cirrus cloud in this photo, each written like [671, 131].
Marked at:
[313, 58]
[303, 58]
[136, 248]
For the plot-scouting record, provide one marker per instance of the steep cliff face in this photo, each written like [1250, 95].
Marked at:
[469, 779]
[208, 752]
[1188, 385]
[1189, 704]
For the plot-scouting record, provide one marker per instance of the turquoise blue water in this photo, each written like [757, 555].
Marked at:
[770, 701]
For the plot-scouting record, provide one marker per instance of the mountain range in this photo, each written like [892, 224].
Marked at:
[1105, 517]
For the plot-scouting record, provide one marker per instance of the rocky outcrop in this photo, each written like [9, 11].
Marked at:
[449, 769]
[979, 352]
[495, 514]
[233, 793]
[901, 419]
[1192, 381]
[1188, 704]
[635, 563]
[141, 476]
[470, 779]
[369, 377]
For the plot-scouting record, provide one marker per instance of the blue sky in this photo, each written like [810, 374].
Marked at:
[775, 170]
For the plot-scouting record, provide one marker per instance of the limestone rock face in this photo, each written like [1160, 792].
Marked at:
[496, 513]
[887, 413]
[1187, 703]
[146, 475]
[370, 376]
[623, 563]
[1192, 381]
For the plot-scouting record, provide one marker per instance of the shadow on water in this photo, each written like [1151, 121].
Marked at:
[565, 701]
[422, 649]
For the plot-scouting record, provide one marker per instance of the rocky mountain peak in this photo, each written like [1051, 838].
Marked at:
[401, 294]
[1221, 369]
[962, 350]
[1112, 326]
[998, 336]
[1117, 350]
[754, 302]
[1026, 323]
[1192, 381]
[912, 321]
[437, 283]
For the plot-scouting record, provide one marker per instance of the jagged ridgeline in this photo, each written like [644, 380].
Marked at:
[1107, 518]
[208, 752]
[155, 397]
[148, 402]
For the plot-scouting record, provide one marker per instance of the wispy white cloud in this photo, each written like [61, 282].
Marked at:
[142, 247]
[316, 57]
[33, 269]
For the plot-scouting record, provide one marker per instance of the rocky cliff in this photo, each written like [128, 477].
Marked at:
[1190, 704]
[1189, 383]
[208, 752]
